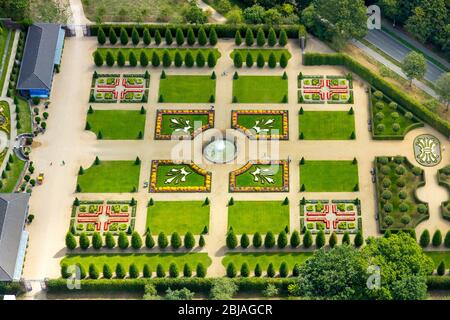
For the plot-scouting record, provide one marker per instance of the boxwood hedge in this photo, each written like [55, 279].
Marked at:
[342, 59]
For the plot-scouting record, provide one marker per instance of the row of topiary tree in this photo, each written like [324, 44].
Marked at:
[282, 241]
[156, 59]
[260, 60]
[436, 241]
[283, 270]
[261, 38]
[180, 38]
[120, 271]
[123, 240]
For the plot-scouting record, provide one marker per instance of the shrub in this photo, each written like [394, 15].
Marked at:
[237, 60]
[405, 219]
[231, 270]
[447, 239]
[187, 272]
[168, 36]
[135, 36]
[284, 270]
[166, 60]
[175, 240]
[71, 242]
[133, 271]
[136, 241]
[249, 39]
[123, 36]
[132, 59]
[272, 37]
[98, 59]
[260, 62]
[403, 207]
[202, 36]
[346, 238]
[107, 272]
[157, 38]
[112, 36]
[173, 270]
[120, 271]
[146, 38]
[333, 240]
[101, 38]
[245, 270]
[110, 60]
[123, 240]
[282, 41]
[109, 240]
[421, 208]
[260, 38]
[441, 268]
[231, 240]
[155, 59]
[200, 271]
[201, 241]
[160, 272]
[143, 59]
[270, 270]
[190, 37]
[189, 240]
[64, 271]
[437, 238]
[269, 240]
[93, 272]
[258, 270]
[307, 239]
[149, 241]
[272, 60]
[212, 61]
[283, 60]
[162, 240]
[257, 240]
[282, 240]
[212, 36]
[245, 242]
[178, 59]
[237, 38]
[97, 241]
[146, 271]
[359, 240]
[179, 37]
[84, 241]
[320, 239]
[189, 59]
[295, 239]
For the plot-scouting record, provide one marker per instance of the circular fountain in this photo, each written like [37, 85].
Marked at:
[220, 151]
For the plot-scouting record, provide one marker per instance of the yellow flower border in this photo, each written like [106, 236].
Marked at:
[161, 112]
[285, 121]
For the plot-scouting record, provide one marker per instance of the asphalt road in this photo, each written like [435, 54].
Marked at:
[398, 51]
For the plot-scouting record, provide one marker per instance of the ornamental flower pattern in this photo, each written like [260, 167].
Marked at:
[427, 150]
[262, 128]
[180, 124]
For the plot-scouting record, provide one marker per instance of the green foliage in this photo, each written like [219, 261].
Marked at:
[160, 272]
[136, 240]
[295, 239]
[179, 37]
[123, 37]
[238, 38]
[101, 38]
[269, 240]
[212, 61]
[270, 270]
[168, 37]
[120, 271]
[162, 240]
[359, 240]
[190, 37]
[414, 65]
[135, 37]
[245, 271]
[123, 240]
[441, 268]
[189, 240]
[447, 239]
[97, 240]
[249, 60]
[84, 241]
[333, 240]
[260, 62]
[112, 36]
[307, 239]
[110, 242]
[166, 59]
[245, 241]
[249, 38]
[223, 288]
[272, 60]
[107, 272]
[283, 60]
[257, 240]
[175, 240]
[189, 59]
[231, 270]
[157, 38]
[237, 60]
[346, 238]
[200, 60]
[146, 38]
[155, 59]
[272, 38]
[149, 241]
[437, 238]
[284, 270]
[71, 242]
[200, 271]
[133, 271]
[282, 240]
[143, 59]
[132, 59]
[231, 240]
[282, 41]
[173, 270]
[98, 59]
[425, 238]
[146, 271]
[187, 272]
[320, 239]
[212, 37]
[178, 59]
[110, 60]
[202, 36]
[260, 38]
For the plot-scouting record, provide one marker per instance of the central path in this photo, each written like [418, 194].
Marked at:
[66, 140]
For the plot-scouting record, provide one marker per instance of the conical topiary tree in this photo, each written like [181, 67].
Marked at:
[155, 59]
[283, 60]
[123, 240]
[441, 268]
[295, 239]
[136, 240]
[107, 272]
[333, 240]
[260, 62]
[84, 241]
[272, 37]
[160, 272]
[249, 38]
[173, 270]
[168, 36]
[190, 37]
[175, 240]
[179, 37]
[97, 240]
[135, 36]
[146, 271]
[272, 60]
[238, 38]
[110, 60]
[269, 240]
[146, 38]
[424, 238]
[132, 59]
[120, 58]
[346, 238]
[112, 36]
[282, 240]
[189, 59]
[359, 240]
[143, 59]
[437, 238]
[307, 239]
[162, 240]
[320, 239]
[282, 41]
[98, 59]
[110, 242]
[258, 270]
[447, 239]
[189, 240]
[123, 36]
[200, 271]
[284, 270]
[178, 60]
[93, 271]
[133, 271]
[245, 270]
[260, 38]
[212, 36]
[249, 60]
[270, 270]
[231, 270]
[187, 272]
[120, 271]
[245, 241]
[257, 240]
[202, 39]
[231, 240]
[71, 242]
[166, 60]
[212, 61]
[157, 38]
[237, 59]
[200, 59]
[101, 37]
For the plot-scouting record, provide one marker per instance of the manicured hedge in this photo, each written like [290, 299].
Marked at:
[10, 288]
[193, 284]
[438, 282]
[341, 59]
[222, 30]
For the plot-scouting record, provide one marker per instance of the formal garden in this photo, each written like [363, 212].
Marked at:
[389, 119]
[109, 177]
[186, 124]
[103, 216]
[187, 88]
[325, 89]
[338, 216]
[125, 88]
[444, 180]
[167, 176]
[262, 124]
[329, 176]
[397, 181]
[260, 89]
[261, 176]
[326, 125]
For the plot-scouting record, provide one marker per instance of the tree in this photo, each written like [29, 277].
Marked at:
[157, 38]
[260, 62]
[437, 238]
[272, 60]
[133, 271]
[295, 239]
[200, 59]
[71, 242]
[245, 241]
[260, 38]
[98, 59]
[189, 240]
[173, 270]
[168, 37]
[81, 271]
[112, 36]
[167, 61]
[150, 292]
[307, 239]
[346, 238]
[320, 239]
[249, 38]
[414, 66]
[270, 291]
[269, 240]
[181, 294]
[84, 241]
[189, 59]
[143, 59]
[447, 239]
[187, 272]
[270, 270]
[175, 240]
[93, 271]
[201, 241]
[272, 37]
[442, 88]
[212, 61]
[425, 238]
[254, 14]
[110, 60]
[237, 59]
[282, 240]
[110, 242]
[282, 41]
[149, 241]
[132, 59]
[17, 9]
[212, 36]
[123, 240]
[258, 270]
[190, 37]
[222, 289]
[245, 271]
[160, 272]
[333, 240]
[202, 36]
[283, 60]
[249, 60]
[123, 36]
[107, 272]
[179, 37]
[231, 270]
[284, 270]
[193, 14]
[359, 240]
[146, 271]
[97, 241]
[426, 19]
[238, 38]
[155, 59]
[135, 36]
[120, 271]
[200, 271]
[441, 268]
[234, 16]
[162, 240]
[146, 38]
[136, 241]
[231, 240]
[257, 240]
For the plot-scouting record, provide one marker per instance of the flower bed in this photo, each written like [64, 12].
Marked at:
[168, 176]
[261, 176]
[126, 88]
[101, 216]
[329, 89]
[182, 123]
[337, 215]
[262, 124]
[427, 150]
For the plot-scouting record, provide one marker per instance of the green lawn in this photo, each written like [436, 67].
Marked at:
[6, 127]
[158, 51]
[8, 55]
[152, 259]
[177, 216]
[439, 256]
[193, 179]
[249, 120]
[329, 176]
[265, 52]
[168, 128]
[117, 124]
[246, 179]
[291, 258]
[110, 176]
[24, 116]
[187, 89]
[258, 216]
[260, 89]
[12, 176]
[325, 125]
